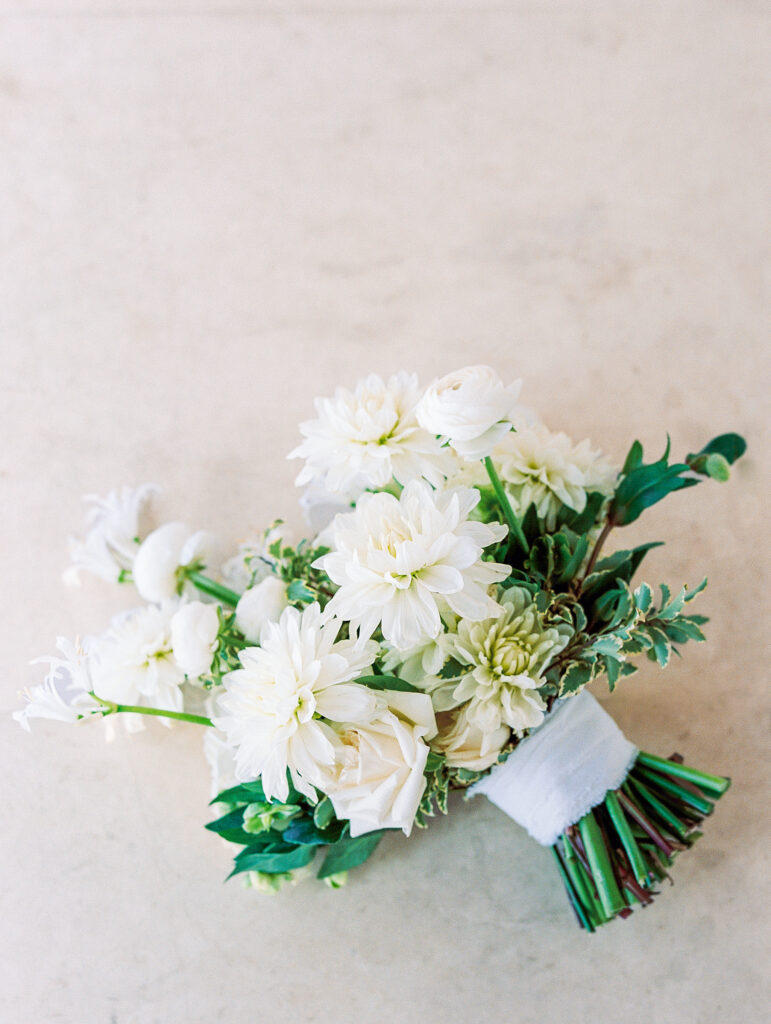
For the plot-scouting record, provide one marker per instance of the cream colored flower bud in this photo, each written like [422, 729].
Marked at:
[263, 603]
[194, 631]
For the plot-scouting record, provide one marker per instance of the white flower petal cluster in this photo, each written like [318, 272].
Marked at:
[396, 560]
[133, 662]
[366, 437]
[64, 694]
[506, 658]
[377, 778]
[272, 706]
[548, 470]
[463, 744]
[194, 637]
[260, 604]
[113, 534]
[164, 552]
[470, 408]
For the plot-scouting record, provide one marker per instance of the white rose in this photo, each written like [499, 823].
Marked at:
[378, 779]
[163, 552]
[263, 603]
[470, 408]
[463, 743]
[194, 630]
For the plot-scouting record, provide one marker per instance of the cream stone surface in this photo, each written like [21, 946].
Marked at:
[214, 211]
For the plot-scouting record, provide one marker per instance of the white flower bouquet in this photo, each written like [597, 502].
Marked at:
[436, 633]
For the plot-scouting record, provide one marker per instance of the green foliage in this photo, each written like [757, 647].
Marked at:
[349, 853]
[387, 682]
[437, 788]
[280, 837]
[644, 484]
[716, 457]
[627, 624]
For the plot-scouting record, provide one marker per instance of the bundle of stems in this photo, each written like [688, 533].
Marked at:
[612, 860]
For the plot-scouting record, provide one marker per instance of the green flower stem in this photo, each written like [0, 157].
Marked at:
[582, 886]
[135, 709]
[626, 797]
[628, 841]
[574, 897]
[698, 803]
[714, 784]
[662, 814]
[213, 589]
[602, 869]
[515, 529]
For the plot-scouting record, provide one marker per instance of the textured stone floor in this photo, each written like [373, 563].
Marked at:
[213, 212]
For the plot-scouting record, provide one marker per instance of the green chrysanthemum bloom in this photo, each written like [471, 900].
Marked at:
[506, 659]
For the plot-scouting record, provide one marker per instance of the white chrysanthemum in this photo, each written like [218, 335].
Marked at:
[367, 437]
[271, 706]
[133, 662]
[64, 695]
[113, 534]
[548, 470]
[506, 658]
[396, 560]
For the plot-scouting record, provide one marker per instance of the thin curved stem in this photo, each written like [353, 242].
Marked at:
[213, 589]
[508, 512]
[136, 709]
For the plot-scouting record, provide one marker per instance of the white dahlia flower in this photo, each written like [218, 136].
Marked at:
[271, 705]
[133, 662]
[396, 560]
[505, 659]
[471, 408]
[113, 534]
[548, 470]
[367, 437]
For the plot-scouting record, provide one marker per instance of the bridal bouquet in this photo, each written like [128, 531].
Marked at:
[436, 632]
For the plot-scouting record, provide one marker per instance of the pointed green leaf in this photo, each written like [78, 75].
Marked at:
[349, 853]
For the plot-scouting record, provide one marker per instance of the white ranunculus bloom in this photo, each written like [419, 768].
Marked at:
[64, 695]
[133, 662]
[377, 780]
[194, 630]
[163, 553]
[471, 408]
[273, 706]
[547, 469]
[504, 660]
[263, 603]
[367, 437]
[113, 534]
[463, 744]
[396, 560]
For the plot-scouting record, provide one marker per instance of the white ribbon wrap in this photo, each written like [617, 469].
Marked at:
[562, 770]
